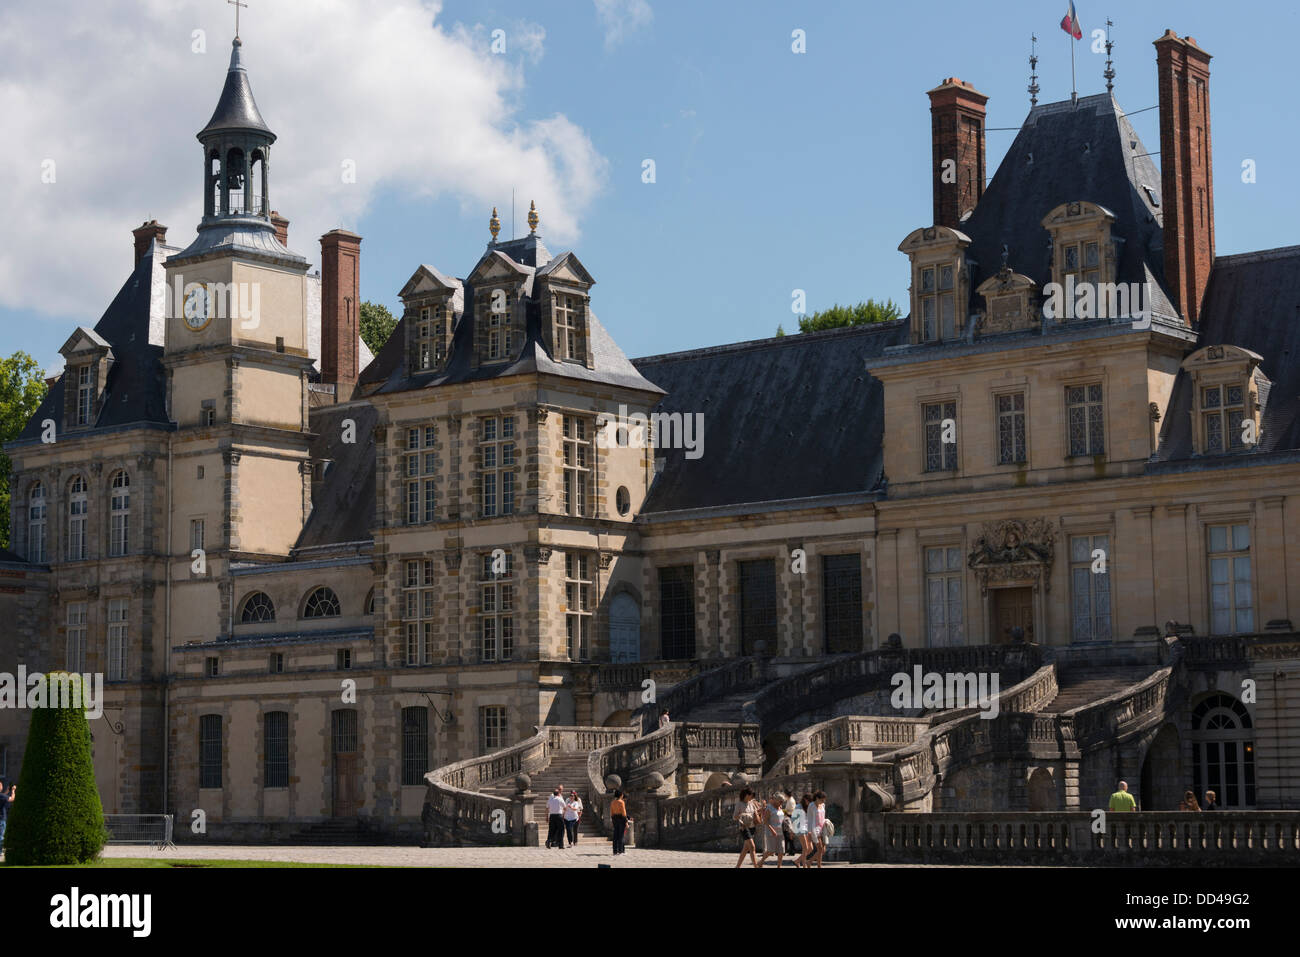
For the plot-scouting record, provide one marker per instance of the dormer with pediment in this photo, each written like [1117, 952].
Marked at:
[87, 357]
[1010, 302]
[1229, 390]
[563, 289]
[433, 304]
[940, 287]
[500, 289]
[1083, 244]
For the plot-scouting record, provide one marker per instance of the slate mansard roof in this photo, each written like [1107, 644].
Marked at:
[236, 109]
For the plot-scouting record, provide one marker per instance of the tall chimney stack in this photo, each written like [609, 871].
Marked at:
[340, 305]
[281, 228]
[1186, 174]
[957, 135]
[145, 234]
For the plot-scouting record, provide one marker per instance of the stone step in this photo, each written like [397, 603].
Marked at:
[1082, 686]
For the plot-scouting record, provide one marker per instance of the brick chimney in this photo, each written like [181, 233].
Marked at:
[145, 234]
[1186, 177]
[957, 134]
[281, 228]
[340, 304]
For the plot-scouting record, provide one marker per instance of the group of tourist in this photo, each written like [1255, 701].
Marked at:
[799, 829]
[563, 816]
[1121, 800]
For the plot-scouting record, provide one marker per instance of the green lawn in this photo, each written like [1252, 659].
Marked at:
[111, 862]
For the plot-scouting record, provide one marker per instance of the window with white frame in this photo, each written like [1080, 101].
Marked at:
[78, 505]
[937, 302]
[578, 604]
[431, 338]
[1231, 606]
[418, 602]
[196, 533]
[496, 612]
[940, 423]
[568, 333]
[75, 657]
[577, 465]
[491, 728]
[84, 395]
[418, 465]
[118, 609]
[1090, 587]
[943, 599]
[37, 523]
[497, 465]
[498, 312]
[1083, 407]
[119, 515]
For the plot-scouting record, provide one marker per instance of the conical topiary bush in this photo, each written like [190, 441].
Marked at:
[56, 817]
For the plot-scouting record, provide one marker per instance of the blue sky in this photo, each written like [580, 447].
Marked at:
[775, 171]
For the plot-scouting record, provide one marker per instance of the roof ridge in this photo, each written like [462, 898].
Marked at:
[1258, 255]
[752, 345]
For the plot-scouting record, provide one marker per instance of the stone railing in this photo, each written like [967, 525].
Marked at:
[851, 731]
[1126, 712]
[570, 740]
[1136, 839]
[630, 677]
[457, 812]
[1214, 651]
[705, 686]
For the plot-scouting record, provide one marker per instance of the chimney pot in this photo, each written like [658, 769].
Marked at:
[281, 228]
[144, 234]
[340, 305]
[957, 113]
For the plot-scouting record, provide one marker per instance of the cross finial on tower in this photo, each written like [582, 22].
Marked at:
[1033, 70]
[1110, 68]
[236, 4]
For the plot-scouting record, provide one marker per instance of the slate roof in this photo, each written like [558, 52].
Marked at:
[135, 391]
[785, 418]
[236, 110]
[343, 507]
[1252, 301]
[1063, 154]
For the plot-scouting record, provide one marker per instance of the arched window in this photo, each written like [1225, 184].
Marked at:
[322, 603]
[36, 524]
[257, 608]
[1223, 748]
[119, 515]
[370, 602]
[77, 508]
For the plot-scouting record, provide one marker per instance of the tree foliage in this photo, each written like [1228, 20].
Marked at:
[22, 387]
[377, 324]
[862, 314]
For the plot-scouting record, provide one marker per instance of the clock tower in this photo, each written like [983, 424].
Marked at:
[236, 354]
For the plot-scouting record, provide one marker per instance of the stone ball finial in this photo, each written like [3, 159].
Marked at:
[654, 781]
[613, 782]
[739, 779]
[522, 783]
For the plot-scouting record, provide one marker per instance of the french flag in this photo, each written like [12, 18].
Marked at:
[1071, 23]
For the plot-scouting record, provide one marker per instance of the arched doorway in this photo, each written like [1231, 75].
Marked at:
[624, 629]
[1162, 783]
[619, 719]
[1042, 790]
[1223, 751]
[716, 780]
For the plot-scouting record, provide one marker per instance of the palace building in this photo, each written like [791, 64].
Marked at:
[311, 575]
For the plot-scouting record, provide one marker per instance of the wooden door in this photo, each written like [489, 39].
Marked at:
[1012, 608]
[347, 763]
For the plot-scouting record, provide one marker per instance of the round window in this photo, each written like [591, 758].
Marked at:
[624, 500]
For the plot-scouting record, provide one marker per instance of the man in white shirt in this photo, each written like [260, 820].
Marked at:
[572, 814]
[555, 818]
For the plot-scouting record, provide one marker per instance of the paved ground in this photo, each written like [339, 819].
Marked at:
[580, 856]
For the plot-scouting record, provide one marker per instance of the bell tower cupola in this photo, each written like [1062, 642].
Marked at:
[236, 151]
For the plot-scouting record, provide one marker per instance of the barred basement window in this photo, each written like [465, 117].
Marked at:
[496, 614]
[418, 467]
[677, 612]
[275, 767]
[943, 579]
[1225, 411]
[757, 606]
[491, 729]
[418, 598]
[578, 604]
[842, 602]
[36, 524]
[119, 515]
[257, 608]
[415, 746]
[117, 625]
[577, 465]
[75, 654]
[78, 506]
[1084, 415]
[497, 462]
[1231, 608]
[1090, 590]
[322, 603]
[940, 456]
[1011, 429]
[210, 751]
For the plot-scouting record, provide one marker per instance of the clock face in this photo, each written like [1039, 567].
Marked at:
[197, 311]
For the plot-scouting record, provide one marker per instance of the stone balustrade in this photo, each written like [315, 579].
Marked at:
[857, 731]
[705, 686]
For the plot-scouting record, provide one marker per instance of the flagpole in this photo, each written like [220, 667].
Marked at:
[1074, 90]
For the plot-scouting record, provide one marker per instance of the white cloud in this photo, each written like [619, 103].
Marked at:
[114, 95]
[620, 18]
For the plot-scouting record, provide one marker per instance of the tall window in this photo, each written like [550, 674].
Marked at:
[938, 303]
[417, 611]
[196, 533]
[1090, 590]
[1224, 751]
[75, 658]
[757, 606]
[677, 612]
[577, 465]
[842, 602]
[943, 604]
[1224, 410]
[940, 423]
[498, 323]
[418, 470]
[117, 624]
[83, 395]
[36, 524]
[322, 603]
[577, 600]
[275, 763]
[210, 751]
[1083, 411]
[1011, 429]
[1231, 608]
[491, 729]
[497, 611]
[431, 338]
[77, 508]
[1081, 260]
[415, 746]
[119, 515]
[567, 338]
[257, 608]
[497, 465]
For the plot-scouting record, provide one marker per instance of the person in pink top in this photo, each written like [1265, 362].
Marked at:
[816, 823]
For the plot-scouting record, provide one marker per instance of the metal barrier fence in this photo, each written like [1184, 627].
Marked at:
[155, 829]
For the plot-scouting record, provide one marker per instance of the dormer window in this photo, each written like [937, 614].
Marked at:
[431, 338]
[940, 287]
[1084, 261]
[568, 338]
[498, 309]
[1223, 412]
[85, 395]
[1227, 387]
